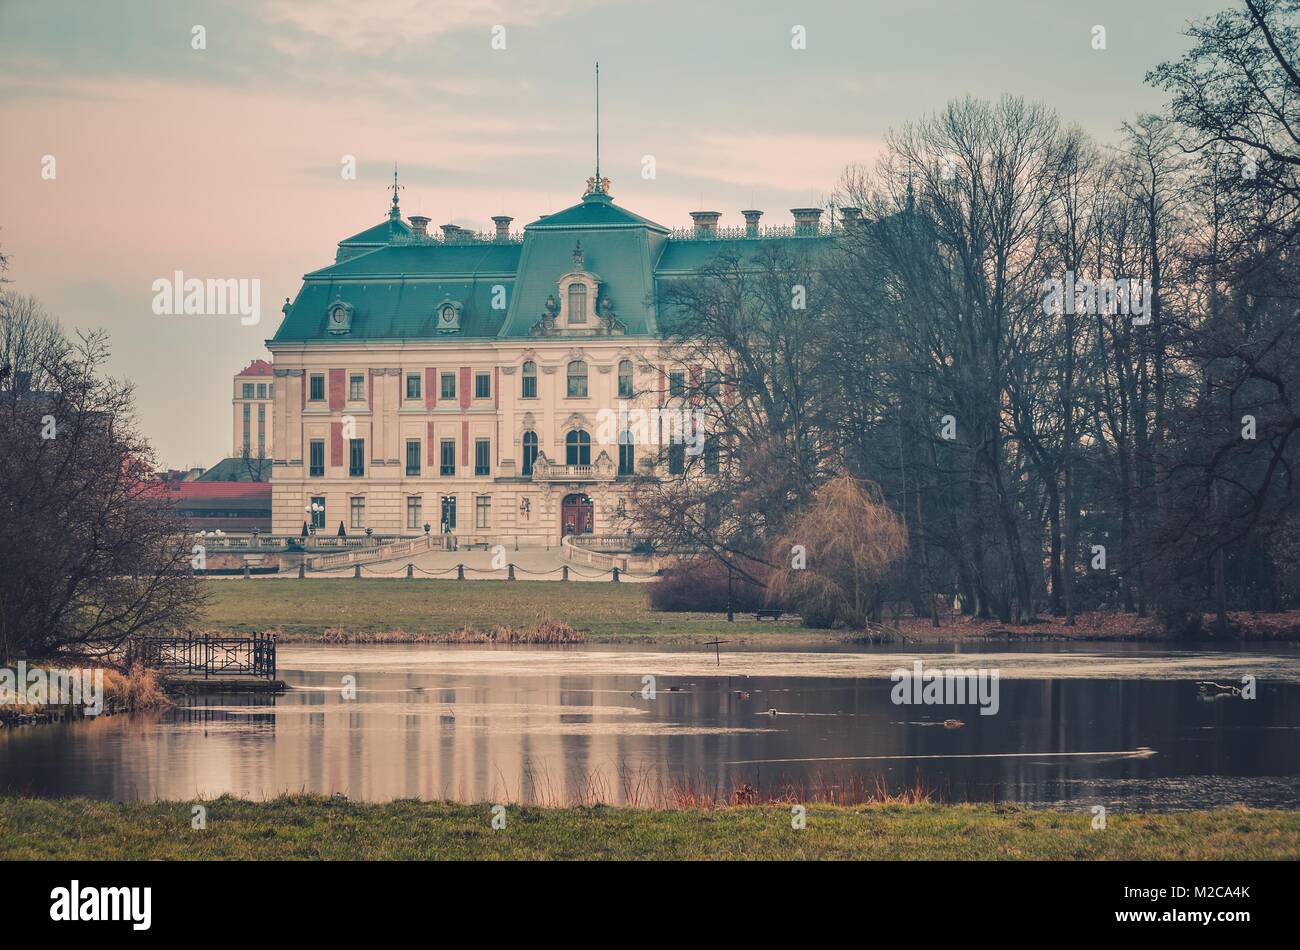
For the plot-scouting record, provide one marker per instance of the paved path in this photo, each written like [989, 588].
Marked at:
[531, 564]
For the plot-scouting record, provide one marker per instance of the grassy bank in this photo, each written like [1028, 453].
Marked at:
[311, 827]
[379, 609]
[398, 609]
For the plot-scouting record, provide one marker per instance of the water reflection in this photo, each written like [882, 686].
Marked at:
[1123, 727]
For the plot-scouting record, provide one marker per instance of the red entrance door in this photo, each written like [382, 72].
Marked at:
[576, 515]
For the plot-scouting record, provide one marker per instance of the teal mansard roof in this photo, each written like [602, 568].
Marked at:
[392, 281]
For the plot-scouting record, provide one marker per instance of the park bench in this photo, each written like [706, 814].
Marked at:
[768, 614]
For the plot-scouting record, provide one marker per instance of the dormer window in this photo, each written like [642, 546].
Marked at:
[339, 317]
[447, 317]
[577, 294]
[577, 303]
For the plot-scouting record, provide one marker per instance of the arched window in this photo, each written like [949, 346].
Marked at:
[530, 380]
[626, 453]
[577, 448]
[530, 451]
[577, 303]
[625, 379]
[577, 379]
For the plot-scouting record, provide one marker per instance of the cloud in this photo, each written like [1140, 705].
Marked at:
[401, 26]
[785, 161]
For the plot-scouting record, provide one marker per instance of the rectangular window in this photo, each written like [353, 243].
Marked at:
[317, 388]
[356, 457]
[676, 384]
[447, 466]
[711, 456]
[261, 412]
[358, 509]
[261, 390]
[318, 512]
[530, 385]
[482, 386]
[577, 303]
[482, 456]
[412, 385]
[248, 390]
[676, 458]
[357, 388]
[316, 460]
[448, 386]
[414, 512]
[483, 512]
[712, 382]
[412, 456]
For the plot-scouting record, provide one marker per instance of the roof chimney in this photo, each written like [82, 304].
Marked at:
[706, 223]
[850, 217]
[502, 221]
[806, 220]
[751, 223]
[420, 224]
[450, 233]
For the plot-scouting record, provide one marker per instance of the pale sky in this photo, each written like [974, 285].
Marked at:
[225, 162]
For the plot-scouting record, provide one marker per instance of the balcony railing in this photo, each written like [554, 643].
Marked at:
[741, 232]
[547, 471]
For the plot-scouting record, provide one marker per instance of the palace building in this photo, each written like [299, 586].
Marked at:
[253, 401]
[461, 380]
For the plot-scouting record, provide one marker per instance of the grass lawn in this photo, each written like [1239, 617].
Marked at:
[313, 827]
[606, 613]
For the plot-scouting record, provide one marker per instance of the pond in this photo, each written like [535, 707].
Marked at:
[1116, 724]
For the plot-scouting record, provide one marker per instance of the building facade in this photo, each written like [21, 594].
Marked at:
[254, 401]
[481, 384]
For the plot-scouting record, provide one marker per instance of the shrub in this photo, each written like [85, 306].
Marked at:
[700, 584]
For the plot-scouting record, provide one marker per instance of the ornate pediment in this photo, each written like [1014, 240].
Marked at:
[576, 420]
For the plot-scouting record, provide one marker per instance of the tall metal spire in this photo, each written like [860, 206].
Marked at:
[598, 123]
[395, 212]
[597, 185]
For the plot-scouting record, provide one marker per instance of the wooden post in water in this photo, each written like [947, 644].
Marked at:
[717, 652]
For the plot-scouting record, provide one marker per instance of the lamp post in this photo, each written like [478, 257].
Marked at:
[731, 614]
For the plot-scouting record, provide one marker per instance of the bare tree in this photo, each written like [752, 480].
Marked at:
[87, 556]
